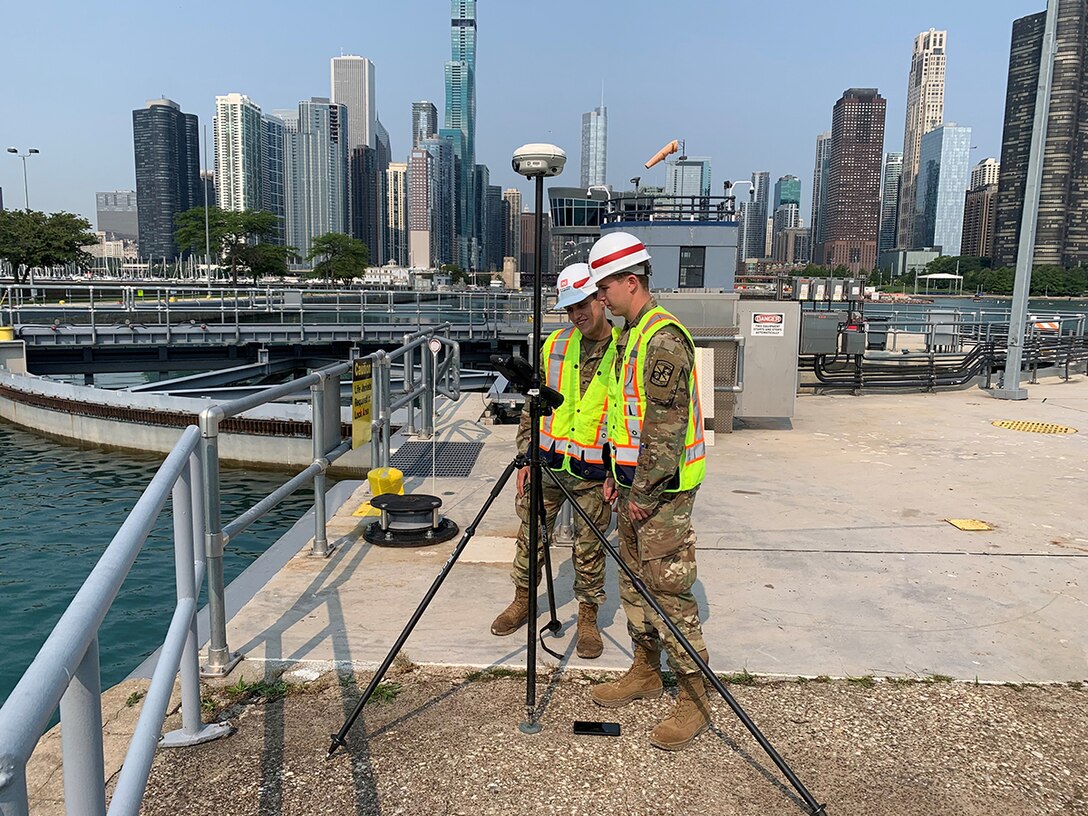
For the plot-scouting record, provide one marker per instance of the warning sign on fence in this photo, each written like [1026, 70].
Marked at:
[362, 387]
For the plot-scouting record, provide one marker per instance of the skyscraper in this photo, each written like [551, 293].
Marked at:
[117, 214]
[461, 117]
[431, 204]
[424, 121]
[687, 177]
[273, 194]
[985, 173]
[787, 190]
[512, 210]
[944, 169]
[352, 80]
[166, 144]
[315, 173]
[980, 209]
[594, 146]
[889, 202]
[754, 235]
[818, 222]
[925, 110]
[495, 228]
[237, 130]
[396, 214]
[1061, 237]
[853, 185]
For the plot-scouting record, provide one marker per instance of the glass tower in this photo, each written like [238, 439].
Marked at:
[889, 202]
[316, 173]
[594, 146]
[944, 170]
[461, 116]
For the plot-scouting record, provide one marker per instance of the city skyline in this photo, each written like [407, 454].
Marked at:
[507, 116]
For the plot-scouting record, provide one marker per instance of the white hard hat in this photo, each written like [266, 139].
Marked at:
[574, 286]
[615, 252]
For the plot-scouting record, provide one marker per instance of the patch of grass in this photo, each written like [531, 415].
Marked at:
[1013, 686]
[865, 681]
[939, 678]
[385, 692]
[493, 673]
[1075, 684]
[208, 704]
[597, 679]
[741, 678]
[801, 680]
[134, 698]
[900, 682]
[822, 678]
[259, 690]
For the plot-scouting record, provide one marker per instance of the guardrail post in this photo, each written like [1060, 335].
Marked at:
[81, 738]
[317, 431]
[220, 659]
[187, 506]
[409, 384]
[426, 398]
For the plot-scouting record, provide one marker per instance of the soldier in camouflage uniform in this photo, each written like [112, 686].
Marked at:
[658, 458]
[574, 361]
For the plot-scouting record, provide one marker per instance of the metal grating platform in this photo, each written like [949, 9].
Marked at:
[1033, 427]
[453, 460]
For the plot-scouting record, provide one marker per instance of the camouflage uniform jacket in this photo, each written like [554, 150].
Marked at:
[670, 358]
[589, 366]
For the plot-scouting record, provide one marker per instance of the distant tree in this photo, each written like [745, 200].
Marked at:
[338, 256]
[30, 239]
[456, 273]
[227, 232]
[264, 260]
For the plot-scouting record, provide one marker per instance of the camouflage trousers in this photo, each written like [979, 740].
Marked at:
[588, 555]
[661, 551]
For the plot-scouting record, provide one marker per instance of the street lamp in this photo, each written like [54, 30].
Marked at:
[31, 152]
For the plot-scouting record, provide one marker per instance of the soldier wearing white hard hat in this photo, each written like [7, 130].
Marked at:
[658, 460]
[575, 361]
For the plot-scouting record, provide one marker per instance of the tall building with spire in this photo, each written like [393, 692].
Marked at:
[925, 111]
[594, 146]
[461, 117]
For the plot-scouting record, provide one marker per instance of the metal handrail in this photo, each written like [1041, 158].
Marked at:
[328, 446]
[66, 671]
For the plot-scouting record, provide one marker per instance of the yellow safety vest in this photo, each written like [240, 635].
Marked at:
[572, 438]
[627, 402]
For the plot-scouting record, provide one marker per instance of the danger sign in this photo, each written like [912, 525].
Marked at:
[768, 324]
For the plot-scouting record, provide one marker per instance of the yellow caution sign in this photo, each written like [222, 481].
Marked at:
[362, 387]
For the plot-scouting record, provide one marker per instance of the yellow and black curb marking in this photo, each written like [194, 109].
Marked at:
[1033, 427]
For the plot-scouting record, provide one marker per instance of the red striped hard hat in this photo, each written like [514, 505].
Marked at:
[574, 285]
[615, 252]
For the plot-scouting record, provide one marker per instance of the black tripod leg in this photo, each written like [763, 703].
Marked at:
[338, 738]
[816, 808]
[552, 625]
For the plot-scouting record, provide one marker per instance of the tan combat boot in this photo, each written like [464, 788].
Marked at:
[689, 718]
[590, 644]
[642, 681]
[514, 616]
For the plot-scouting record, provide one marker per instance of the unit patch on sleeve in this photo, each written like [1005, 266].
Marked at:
[661, 375]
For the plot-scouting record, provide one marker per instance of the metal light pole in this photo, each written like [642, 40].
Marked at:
[26, 190]
[1026, 255]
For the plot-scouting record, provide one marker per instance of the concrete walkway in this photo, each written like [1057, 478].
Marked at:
[823, 550]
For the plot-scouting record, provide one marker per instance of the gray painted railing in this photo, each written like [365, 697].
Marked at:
[66, 672]
[324, 385]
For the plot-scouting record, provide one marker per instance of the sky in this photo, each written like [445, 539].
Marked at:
[748, 84]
